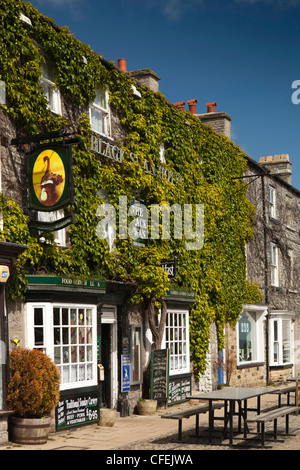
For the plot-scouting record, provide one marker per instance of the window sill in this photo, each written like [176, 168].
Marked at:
[247, 365]
[281, 366]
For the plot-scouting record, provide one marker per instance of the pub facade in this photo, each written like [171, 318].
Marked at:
[87, 156]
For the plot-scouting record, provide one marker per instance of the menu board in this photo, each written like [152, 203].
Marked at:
[179, 388]
[77, 410]
[159, 381]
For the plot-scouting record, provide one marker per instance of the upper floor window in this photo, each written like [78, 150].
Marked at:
[50, 91]
[59, 235]
[274, 265]
[99, 113]
[272, 202]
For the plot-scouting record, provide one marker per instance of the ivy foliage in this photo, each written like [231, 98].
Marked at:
[207, 163]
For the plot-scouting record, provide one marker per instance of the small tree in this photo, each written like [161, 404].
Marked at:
[33, 389]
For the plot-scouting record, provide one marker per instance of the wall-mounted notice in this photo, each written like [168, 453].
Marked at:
[180, 388]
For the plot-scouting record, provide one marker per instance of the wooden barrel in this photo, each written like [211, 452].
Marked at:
[29, 431]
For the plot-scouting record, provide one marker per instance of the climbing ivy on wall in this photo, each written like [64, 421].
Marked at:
[206, 161]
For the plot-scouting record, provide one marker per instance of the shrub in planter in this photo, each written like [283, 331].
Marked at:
[33, 392]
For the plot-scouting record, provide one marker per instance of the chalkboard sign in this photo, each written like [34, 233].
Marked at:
[159, 380]
[76, 410]
[180, 388]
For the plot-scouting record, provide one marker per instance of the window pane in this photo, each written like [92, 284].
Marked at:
[286, 344]
[56, 317]
[97, 121]
[247, 337]
[39, 336]
[48, 71]
[57, 339]
[136, 354]
[38, 316]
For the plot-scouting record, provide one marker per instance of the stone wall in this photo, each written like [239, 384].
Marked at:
[209, 380]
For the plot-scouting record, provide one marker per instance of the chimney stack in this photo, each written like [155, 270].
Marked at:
[211, 107]
[280, 165]
[219, 121]
[122, 65]
[180, 105]
[192, 106]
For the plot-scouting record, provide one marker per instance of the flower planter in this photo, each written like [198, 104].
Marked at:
[147, 407]
[29, 431]
[107, 417]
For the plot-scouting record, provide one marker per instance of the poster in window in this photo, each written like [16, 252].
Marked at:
[50, 180]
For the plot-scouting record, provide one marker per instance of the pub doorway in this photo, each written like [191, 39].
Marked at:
[109, 356]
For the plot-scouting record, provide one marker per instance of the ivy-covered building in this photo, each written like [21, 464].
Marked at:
[132, 215]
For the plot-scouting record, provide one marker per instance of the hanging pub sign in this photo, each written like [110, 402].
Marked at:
[170, 268]
[50, 177]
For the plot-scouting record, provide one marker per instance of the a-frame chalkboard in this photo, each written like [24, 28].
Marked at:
[159, 376]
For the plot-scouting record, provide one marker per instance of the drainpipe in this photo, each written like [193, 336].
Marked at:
[266, 277]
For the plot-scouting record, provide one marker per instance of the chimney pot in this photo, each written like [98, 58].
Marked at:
[122, 65]
[180, 105]
[211, 107]
[192, 106]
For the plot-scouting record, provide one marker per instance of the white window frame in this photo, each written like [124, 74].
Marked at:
[177, 364]
[48, 337]
[274, 265]
[277, 340]
[53, 216]
[52, 94]
[272, 202]
[105, 114]
[258, 314]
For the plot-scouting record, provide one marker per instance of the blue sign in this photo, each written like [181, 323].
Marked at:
[125, 377]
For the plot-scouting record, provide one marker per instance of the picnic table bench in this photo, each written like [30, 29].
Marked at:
[180, 415]
[272, 415]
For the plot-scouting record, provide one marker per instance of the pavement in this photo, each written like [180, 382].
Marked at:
[154, 434]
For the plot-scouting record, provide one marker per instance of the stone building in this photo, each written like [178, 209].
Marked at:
[100, 342]
[264, 346]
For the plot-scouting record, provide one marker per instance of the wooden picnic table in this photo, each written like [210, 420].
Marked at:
[295, 379]
[232, 395]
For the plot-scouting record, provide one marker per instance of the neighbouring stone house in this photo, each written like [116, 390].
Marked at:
[263, 347]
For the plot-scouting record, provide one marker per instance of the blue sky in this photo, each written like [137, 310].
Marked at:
[243, 54]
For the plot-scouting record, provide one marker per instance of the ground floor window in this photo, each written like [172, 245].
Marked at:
[281, 340]
[250, 339]
[67, 333]
[136, 354]
[176, 339]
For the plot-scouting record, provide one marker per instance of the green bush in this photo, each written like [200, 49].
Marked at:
[33, 389]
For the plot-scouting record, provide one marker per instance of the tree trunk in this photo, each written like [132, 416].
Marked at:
[157, 334]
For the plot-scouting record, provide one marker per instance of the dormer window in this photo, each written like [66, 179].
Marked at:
[99, 114]
[50, 91]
